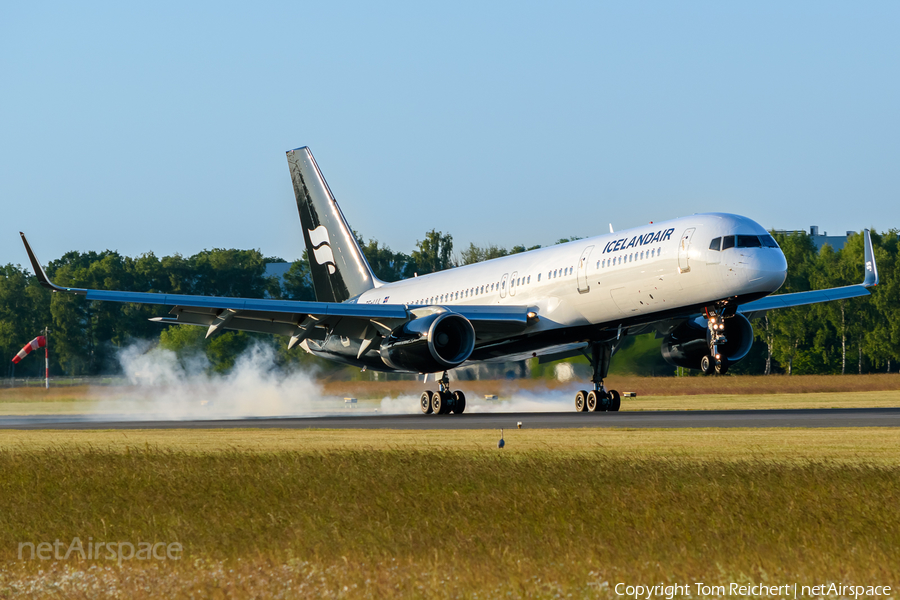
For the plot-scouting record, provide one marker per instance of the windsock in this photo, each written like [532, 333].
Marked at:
[38, 342]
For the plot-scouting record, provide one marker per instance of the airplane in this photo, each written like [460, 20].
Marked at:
[695, 281]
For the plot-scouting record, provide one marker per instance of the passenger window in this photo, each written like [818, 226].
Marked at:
[539, 276]
[714, 245]
[748, 241]
[529, 279]
[727, 242]
[642, 255]
[503, 285]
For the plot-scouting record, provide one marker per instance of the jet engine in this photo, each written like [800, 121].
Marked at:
[689, 342]
[430, 343]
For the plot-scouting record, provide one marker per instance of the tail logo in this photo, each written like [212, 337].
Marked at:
[322, 248]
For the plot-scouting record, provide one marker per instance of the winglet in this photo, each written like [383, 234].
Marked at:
[871, 279]
[41, 275]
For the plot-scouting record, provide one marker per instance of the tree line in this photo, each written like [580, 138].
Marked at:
[859, 335]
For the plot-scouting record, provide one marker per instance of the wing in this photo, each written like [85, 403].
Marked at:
[292, 318]
[757, 307]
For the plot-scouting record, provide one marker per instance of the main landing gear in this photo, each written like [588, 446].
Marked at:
[443, 401]
[598, 399]
[714, 361]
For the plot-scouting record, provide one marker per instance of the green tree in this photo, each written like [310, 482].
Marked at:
[475, 254]
[521, 248]
[297, 284]
[787, 327]
[432, 254]
[386, 264]
[24, 312]
[235, 273]
[883, 331]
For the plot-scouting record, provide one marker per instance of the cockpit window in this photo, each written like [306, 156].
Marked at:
[715, 244]
[727, 242]
[748, 241]
[768, 241]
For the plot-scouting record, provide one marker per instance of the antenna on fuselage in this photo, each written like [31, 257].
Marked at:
[610, 228]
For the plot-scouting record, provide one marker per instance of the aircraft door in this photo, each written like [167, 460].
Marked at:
[683, 247]
[512, 283]
[503, 285]
[583, 286]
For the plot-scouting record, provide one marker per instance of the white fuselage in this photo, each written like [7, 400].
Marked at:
[615, 276]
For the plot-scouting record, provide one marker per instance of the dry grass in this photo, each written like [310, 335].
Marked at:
[54, 394]
[885, 399]
[317, 514]
[850, 446]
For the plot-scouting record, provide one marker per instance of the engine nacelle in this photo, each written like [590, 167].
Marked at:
[429, 344]
[685, 346]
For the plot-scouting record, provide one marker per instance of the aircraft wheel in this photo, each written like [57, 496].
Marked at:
[615, 401]
[593, 401]
[437, 403]
[706, 364]
[721, 367]
[459, 404]
[580, 401]
[440, 402]
[425, 401]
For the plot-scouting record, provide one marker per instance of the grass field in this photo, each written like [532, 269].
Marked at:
[375, 514]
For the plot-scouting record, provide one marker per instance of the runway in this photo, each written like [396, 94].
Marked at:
[835, 417]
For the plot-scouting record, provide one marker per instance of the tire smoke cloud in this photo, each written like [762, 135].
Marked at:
[165, 387]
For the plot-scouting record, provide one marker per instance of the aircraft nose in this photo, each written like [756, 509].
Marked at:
[769, 270]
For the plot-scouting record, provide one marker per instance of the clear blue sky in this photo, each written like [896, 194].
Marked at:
[163, 126]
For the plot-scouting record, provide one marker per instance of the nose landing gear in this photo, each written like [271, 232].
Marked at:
[443, 401]
[715, 361]
[598, 399]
